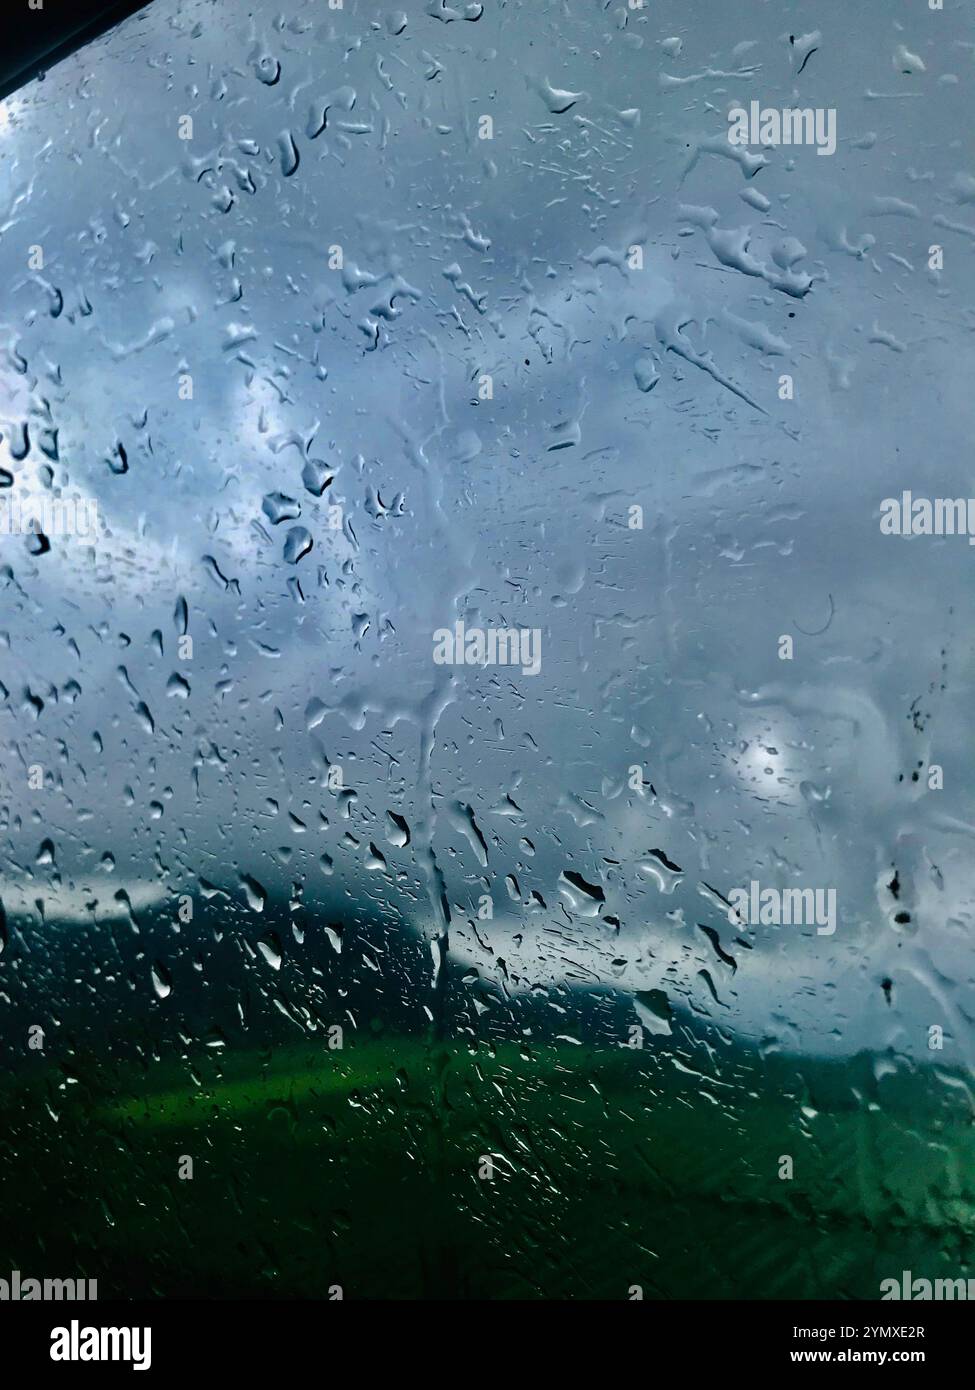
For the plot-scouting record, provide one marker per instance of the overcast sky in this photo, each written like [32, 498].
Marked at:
[173, 266]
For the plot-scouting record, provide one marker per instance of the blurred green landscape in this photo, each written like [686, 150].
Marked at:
[612, 1168]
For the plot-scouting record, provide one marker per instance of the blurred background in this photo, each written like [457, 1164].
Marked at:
[326, 966]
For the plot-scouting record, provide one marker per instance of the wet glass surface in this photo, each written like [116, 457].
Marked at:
[487, 779]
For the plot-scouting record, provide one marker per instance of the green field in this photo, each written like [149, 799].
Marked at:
[361, 1168]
